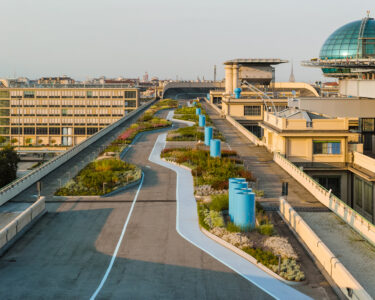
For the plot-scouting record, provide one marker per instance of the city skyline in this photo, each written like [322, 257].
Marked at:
[92, 38]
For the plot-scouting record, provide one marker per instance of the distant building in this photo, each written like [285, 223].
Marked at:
[53, 116]
[56, 80]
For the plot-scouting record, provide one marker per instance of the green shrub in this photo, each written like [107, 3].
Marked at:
[219, 202]
[266, 258]
[213, 218]
[266, 229]
[231, 227]
[289, 269]
[201, 208]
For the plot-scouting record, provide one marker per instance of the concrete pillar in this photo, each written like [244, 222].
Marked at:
[235, 77]
[228, 79]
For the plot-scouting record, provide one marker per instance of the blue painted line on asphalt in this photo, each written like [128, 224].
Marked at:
[114, 255]
[187, 226]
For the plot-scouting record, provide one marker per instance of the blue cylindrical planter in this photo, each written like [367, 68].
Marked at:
[208, 96]
[233, 185]
[245, 210]
[237, 93]
[202, 120]
[197, 111]
[215, 148]
[208, 135]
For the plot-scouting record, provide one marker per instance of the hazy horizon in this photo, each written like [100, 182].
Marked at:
[86, 39]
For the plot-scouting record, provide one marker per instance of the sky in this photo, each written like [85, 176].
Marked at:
[166, 38]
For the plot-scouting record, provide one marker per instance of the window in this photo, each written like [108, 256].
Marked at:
[130, 103]
[252, 110]
[4, 94]
[4, 103]
[4, 130]
[28, 94]
[41, 130]
[367, 198]
[80, 131]
[15, 130]
[358, 191]
[92, 130]
[130, 94]
[368, 125]
[4, 112]
[4, 121]
[54, 130]
[29, 130]
[326, 147]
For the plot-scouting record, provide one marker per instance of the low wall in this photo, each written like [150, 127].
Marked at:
[341, 209]
[19, 185]
[10, 233]
[332, 265]
[364, 161]
[250, 136]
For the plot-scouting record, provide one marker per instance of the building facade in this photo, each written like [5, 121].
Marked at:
[64, 117]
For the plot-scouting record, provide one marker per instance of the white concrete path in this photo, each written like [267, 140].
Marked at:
[187, 226]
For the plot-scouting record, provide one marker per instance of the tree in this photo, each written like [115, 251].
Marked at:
[8, 165]
[14, 140]
[2, 139]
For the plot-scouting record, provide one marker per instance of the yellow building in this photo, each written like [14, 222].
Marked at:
[61, 116]
[303, 136]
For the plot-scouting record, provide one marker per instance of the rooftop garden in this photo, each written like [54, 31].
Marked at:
[211, 177]
[109, 173]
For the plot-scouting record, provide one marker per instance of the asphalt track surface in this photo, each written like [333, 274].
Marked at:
[67, 253]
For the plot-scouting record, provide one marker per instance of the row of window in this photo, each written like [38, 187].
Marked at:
[53, 130]
[67, 102]
[255, 110]
[69, 94]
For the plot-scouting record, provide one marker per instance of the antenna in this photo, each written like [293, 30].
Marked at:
[214, 73]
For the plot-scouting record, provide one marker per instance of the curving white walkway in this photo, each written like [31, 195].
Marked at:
[187, 226]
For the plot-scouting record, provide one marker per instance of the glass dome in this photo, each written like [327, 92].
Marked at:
[343, 43]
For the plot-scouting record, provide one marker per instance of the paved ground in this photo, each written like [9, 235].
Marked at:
[343, 242]
[65, 255]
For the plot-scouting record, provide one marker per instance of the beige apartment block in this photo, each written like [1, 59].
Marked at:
[52, 117]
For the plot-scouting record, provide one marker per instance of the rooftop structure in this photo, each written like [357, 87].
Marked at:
[252, 70]
[349, 51]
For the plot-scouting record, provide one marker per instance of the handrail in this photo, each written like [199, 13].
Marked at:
[59, 160]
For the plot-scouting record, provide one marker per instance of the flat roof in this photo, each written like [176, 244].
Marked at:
[256, 61]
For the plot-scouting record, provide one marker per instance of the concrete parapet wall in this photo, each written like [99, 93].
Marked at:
[253, 138]
[332, 265]
[364, 161]
[250, 136]
[341, 209]
[17, 186]
[15, 228]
